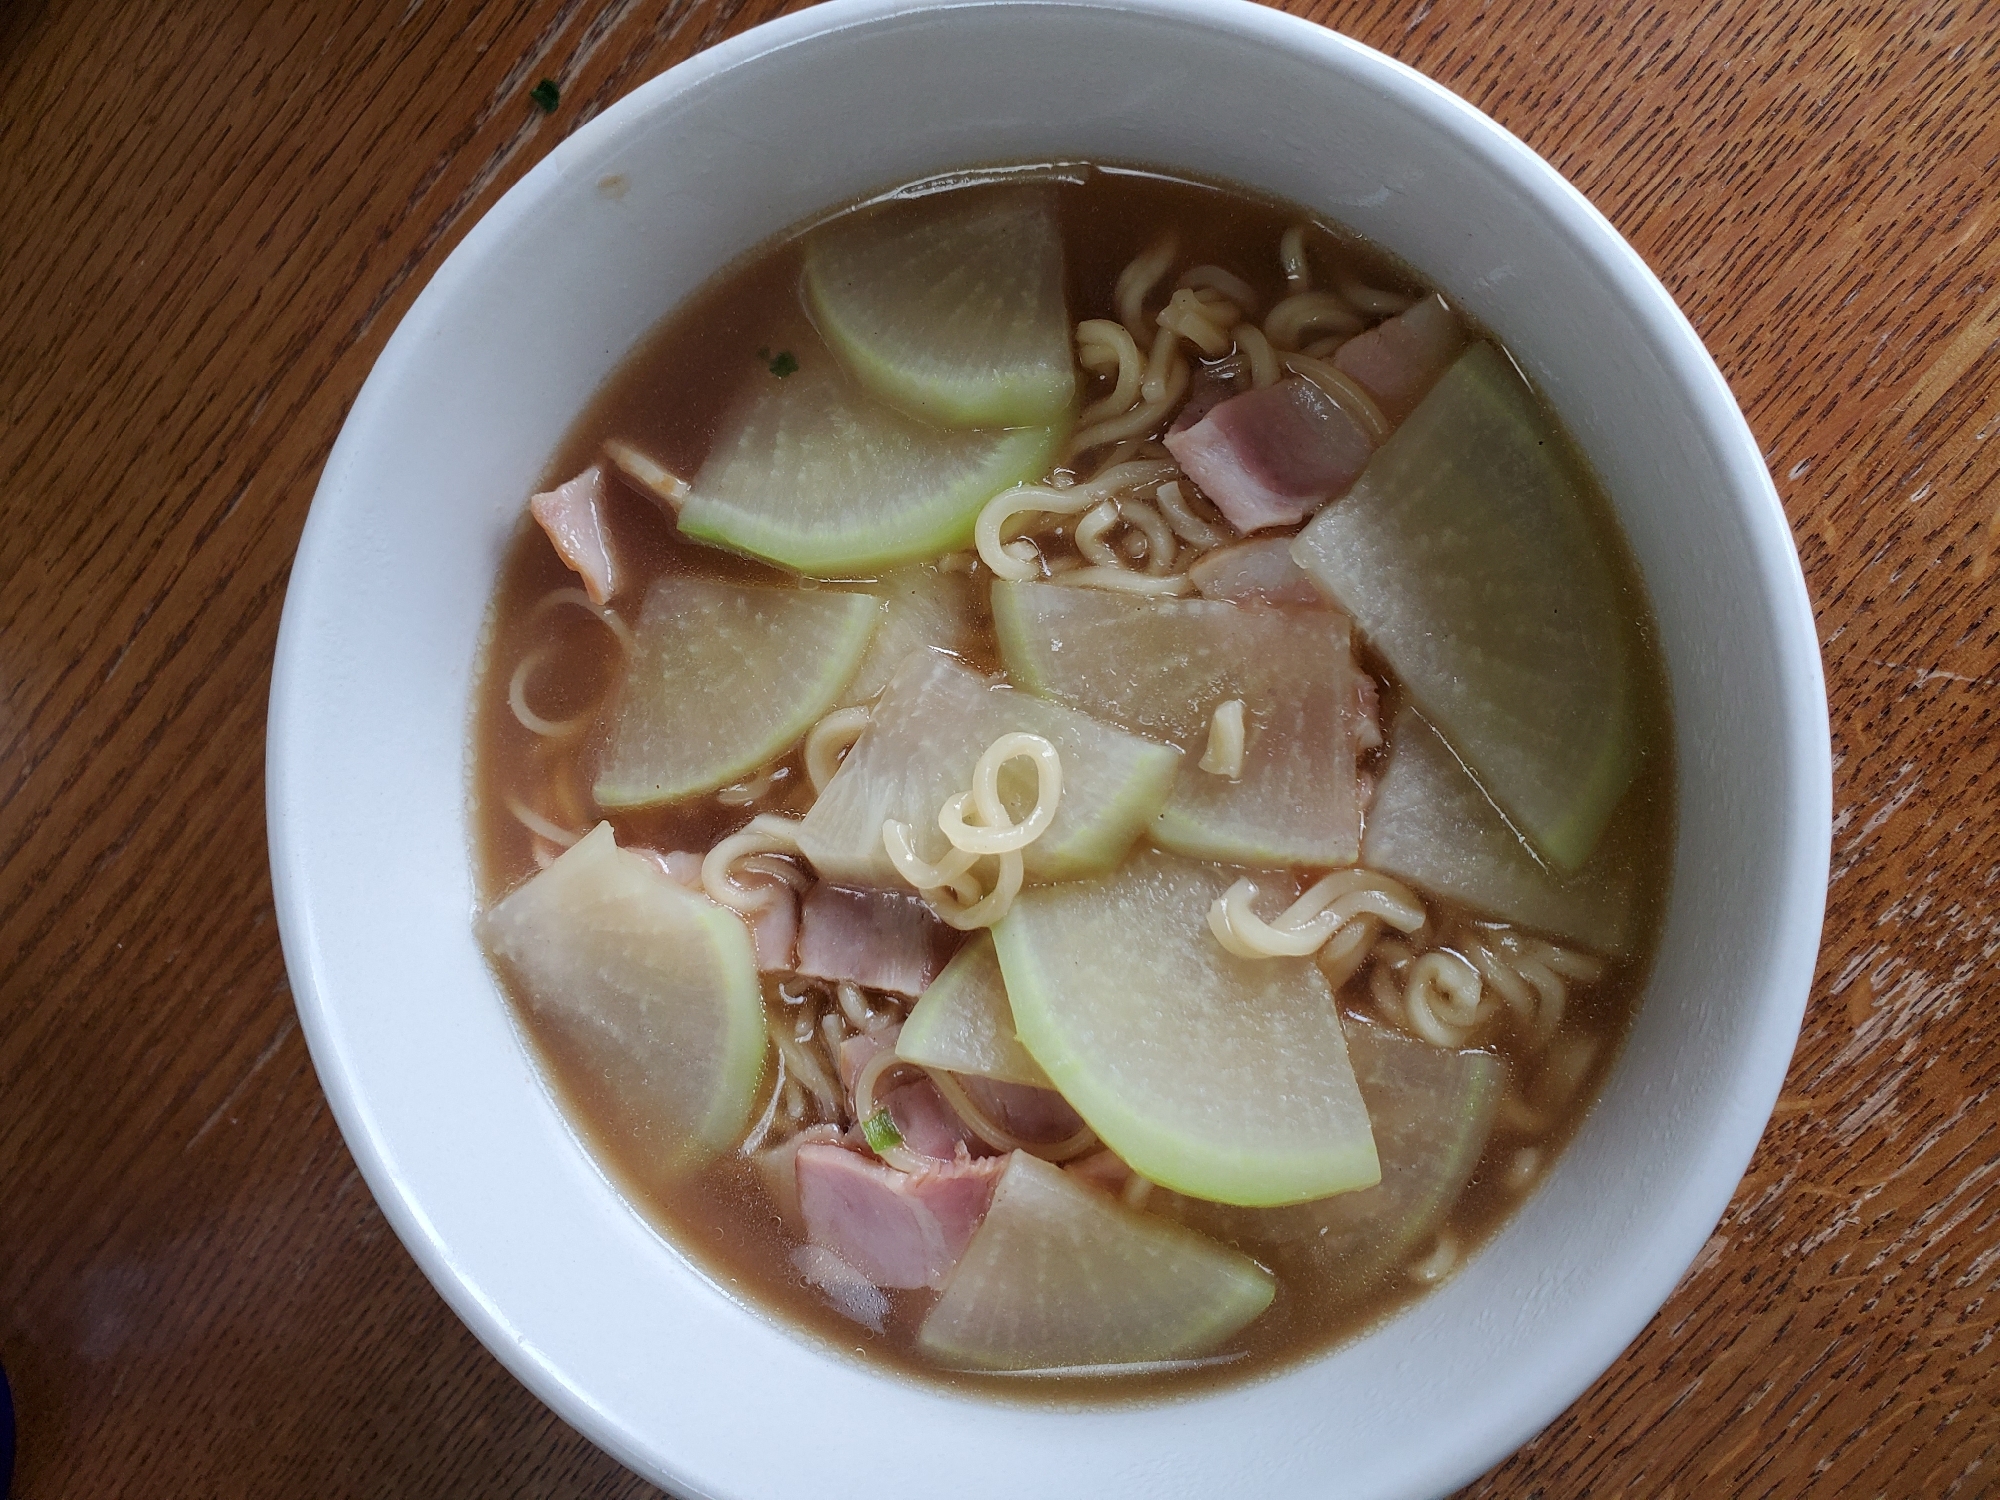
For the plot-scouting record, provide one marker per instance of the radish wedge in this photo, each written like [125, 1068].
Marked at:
[1432, 1111]
[655, 983]
[813, 473]
[724, 678]
[925, 608]
[1062, 1279]
[1220, 1077]
[951, 306]
[963, 1022]
[1468, 555]
[1432, 826]
[1161, 667]
[931, 725]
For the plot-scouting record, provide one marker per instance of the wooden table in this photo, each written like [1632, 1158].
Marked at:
[214, 217]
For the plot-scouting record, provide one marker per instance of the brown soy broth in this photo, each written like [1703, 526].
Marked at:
[668, 399]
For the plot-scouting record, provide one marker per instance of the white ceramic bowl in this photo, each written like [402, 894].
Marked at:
[433, 1085]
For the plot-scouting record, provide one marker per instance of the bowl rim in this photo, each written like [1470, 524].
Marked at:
[1804, 862]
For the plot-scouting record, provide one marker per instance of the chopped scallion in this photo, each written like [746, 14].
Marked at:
[546, 95]
[880, 1132]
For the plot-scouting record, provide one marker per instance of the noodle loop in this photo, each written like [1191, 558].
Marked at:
[829, 740]
[1488, 971]
[1105, 348]
[606, 615]
[948, 886]
[1139, 278]
[1228, 283]
[1206, 325]
[1287, 323]
[1180, 515]
[1292, 257]
[1331, 904]
[517, 686]
[996, 832]
[990, 531]
[723, 867]
[1345, 391]
[517, 701]
[1441, 998]
[1256, 349]
[542, 828]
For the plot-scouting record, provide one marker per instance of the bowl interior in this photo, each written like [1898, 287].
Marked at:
[435, 1090]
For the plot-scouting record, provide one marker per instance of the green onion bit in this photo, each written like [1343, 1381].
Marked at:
[880, 1132]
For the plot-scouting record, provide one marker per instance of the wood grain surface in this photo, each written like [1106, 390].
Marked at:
[216, 213]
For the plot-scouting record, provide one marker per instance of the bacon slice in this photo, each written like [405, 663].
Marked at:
[778, 1169]
[881, 940]
[572, 516]
[1206, 391]
[898, 1229]
[924, 1119]
[1036, 1116]
[1259, 571]
[1401, 358]
[852, 1294]
[929, 1125]
[858, 1051]
[1272, 457]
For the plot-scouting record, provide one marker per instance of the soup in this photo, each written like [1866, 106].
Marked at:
[1072, 781]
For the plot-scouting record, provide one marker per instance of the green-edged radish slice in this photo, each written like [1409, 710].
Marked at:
[1469, 557]
[950, 306]
[813, 473]
[655, 983]
[1059, 1278]
[930, 726]
[723, 678]
[923, 607]
[1431, 825]
[1220, 1077]
[1162, 667]
[1431, 1111]
[963, 1023]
